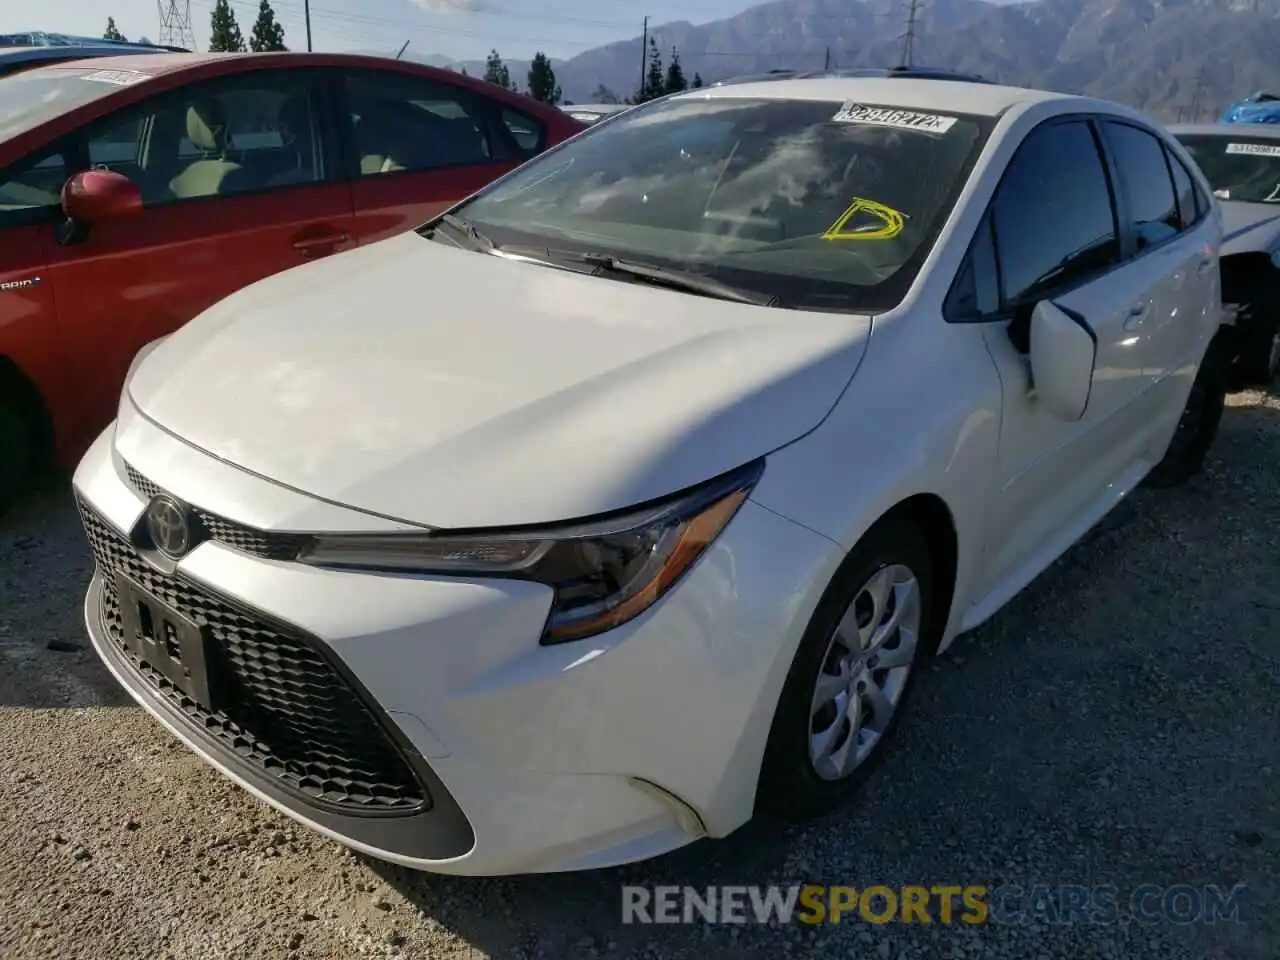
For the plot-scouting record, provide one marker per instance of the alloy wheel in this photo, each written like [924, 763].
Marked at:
[864, 672]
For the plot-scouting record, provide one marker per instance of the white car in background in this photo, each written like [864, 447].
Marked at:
[1241, 161]
[627, 499]
[593, 112]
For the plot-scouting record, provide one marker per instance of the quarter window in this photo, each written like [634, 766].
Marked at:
[529, 135]
[1144, 177]
[403, 122]
[1053, 215]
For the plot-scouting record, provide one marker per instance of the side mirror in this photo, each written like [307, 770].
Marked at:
[93, 196]
[1063, 354]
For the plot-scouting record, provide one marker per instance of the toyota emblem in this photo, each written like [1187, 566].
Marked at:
[168, 527]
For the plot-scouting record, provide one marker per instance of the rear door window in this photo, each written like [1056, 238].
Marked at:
[405, 123]
[1145, 179]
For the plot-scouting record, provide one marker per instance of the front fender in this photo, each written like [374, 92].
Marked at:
[922, 416]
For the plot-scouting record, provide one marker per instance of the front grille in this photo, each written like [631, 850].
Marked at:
[283, 708]
[258, 543]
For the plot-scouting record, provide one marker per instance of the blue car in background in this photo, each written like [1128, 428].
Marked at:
[1261, 107]
[21, 51]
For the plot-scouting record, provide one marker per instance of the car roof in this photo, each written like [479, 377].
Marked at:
[913, 72]
[902, 73]
[956, 96]
[1264, 131]
[63, 54]
[163, 64]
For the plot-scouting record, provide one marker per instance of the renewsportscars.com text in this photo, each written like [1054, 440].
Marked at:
[942, 903]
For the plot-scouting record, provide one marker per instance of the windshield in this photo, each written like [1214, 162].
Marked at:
[819, 205]
[1246, 168]
[30, 98]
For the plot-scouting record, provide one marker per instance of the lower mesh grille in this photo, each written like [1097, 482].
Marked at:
[283, 708]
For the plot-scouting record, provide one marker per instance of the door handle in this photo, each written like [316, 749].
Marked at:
[1137, 316]
[1203, 267]
[315, 242]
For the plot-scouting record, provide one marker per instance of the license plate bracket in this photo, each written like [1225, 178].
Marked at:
[173, 645]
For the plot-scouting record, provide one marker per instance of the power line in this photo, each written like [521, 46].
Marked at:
[402, 25]
[351, 24]
[175, 24]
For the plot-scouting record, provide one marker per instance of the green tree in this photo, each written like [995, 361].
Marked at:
[112, 32]
[675, 81]
[697, 80]
[654, 79]
[225, 35]
[268, 32]
[542, 79]
[495, 71]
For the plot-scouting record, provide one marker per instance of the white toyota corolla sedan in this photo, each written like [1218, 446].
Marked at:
[625, 500]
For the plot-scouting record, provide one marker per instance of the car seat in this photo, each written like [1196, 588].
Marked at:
[374, 142]
[294, 124]
[207, 130]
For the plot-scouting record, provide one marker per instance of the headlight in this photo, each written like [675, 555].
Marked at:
[604, 571]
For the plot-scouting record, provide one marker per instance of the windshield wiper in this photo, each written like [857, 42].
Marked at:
[468, 230]
[686, 280]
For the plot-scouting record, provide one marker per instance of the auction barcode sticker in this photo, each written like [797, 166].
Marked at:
[121, 78]
[1255, 149]
[892, 117]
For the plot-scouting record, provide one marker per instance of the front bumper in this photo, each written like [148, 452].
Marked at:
[531, 759]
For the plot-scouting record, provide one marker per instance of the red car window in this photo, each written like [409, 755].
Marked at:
[228, 136]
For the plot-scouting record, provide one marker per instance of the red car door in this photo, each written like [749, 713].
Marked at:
[239, 180]
[31, 374]
[420, 144]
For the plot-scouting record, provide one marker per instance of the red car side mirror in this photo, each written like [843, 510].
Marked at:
[92, 196]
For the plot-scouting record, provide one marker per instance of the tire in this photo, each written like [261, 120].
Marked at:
[793, 785]
[17, 452]
[1259, 359]
[1197, 428]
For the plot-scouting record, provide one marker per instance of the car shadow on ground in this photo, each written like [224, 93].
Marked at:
[1052, 745]
[46, 660]
[1114, 724]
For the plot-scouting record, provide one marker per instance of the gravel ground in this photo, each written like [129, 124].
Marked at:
[1116, 724]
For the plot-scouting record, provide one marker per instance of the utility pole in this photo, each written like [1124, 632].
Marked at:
[909, 38]
[306, 12]
[826, 64]
[644, 54]
[1195, 97]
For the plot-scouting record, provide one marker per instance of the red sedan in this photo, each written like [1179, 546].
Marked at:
[136, 191]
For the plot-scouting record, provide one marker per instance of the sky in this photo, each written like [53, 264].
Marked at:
[461, 29]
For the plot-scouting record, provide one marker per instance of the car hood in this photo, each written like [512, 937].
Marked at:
[1249, 227]
[456, 389]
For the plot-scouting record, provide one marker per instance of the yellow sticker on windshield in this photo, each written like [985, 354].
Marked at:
[866, 220]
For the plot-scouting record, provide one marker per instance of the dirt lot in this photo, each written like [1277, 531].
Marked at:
[1118, 723]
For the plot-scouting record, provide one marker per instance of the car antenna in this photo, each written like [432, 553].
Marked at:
[402, 50]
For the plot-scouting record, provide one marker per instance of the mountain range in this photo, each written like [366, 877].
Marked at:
[1176, 59]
